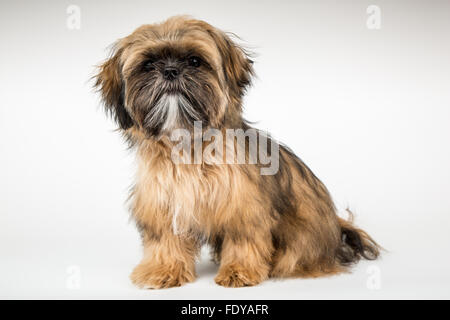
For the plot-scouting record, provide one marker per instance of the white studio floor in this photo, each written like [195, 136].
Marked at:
[94, 268]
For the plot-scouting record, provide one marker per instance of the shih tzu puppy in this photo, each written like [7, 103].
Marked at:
[185, 78]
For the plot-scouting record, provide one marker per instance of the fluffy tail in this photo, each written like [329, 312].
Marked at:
[356, 243]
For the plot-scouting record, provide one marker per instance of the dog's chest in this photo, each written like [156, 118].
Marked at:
[189, 196]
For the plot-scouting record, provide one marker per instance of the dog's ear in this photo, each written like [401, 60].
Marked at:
[237, 65]
[110, 84]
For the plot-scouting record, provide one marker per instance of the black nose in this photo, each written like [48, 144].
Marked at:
[170, 73]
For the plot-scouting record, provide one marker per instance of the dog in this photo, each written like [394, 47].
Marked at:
[182, 72]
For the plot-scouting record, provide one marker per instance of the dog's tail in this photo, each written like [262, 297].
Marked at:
[356, 243]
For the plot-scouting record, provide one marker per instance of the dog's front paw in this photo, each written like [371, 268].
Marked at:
[235, 276]
[151, 276]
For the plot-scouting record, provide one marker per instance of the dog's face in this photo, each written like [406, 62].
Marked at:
[168, 75]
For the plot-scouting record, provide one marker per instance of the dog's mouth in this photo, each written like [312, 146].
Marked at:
[173, 91]
[172, 87]
[172, 110]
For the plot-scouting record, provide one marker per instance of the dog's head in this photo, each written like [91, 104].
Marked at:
[166, 76]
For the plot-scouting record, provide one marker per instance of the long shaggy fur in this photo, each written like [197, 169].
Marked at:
[259, 226]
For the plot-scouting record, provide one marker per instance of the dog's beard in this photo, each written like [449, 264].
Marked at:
[171, 111]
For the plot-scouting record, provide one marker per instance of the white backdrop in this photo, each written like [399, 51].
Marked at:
[368, 110]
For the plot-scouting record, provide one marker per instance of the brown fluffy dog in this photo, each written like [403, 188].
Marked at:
[166, 76]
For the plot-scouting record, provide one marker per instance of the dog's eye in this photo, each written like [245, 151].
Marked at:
[194, 62]
[148, 65]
